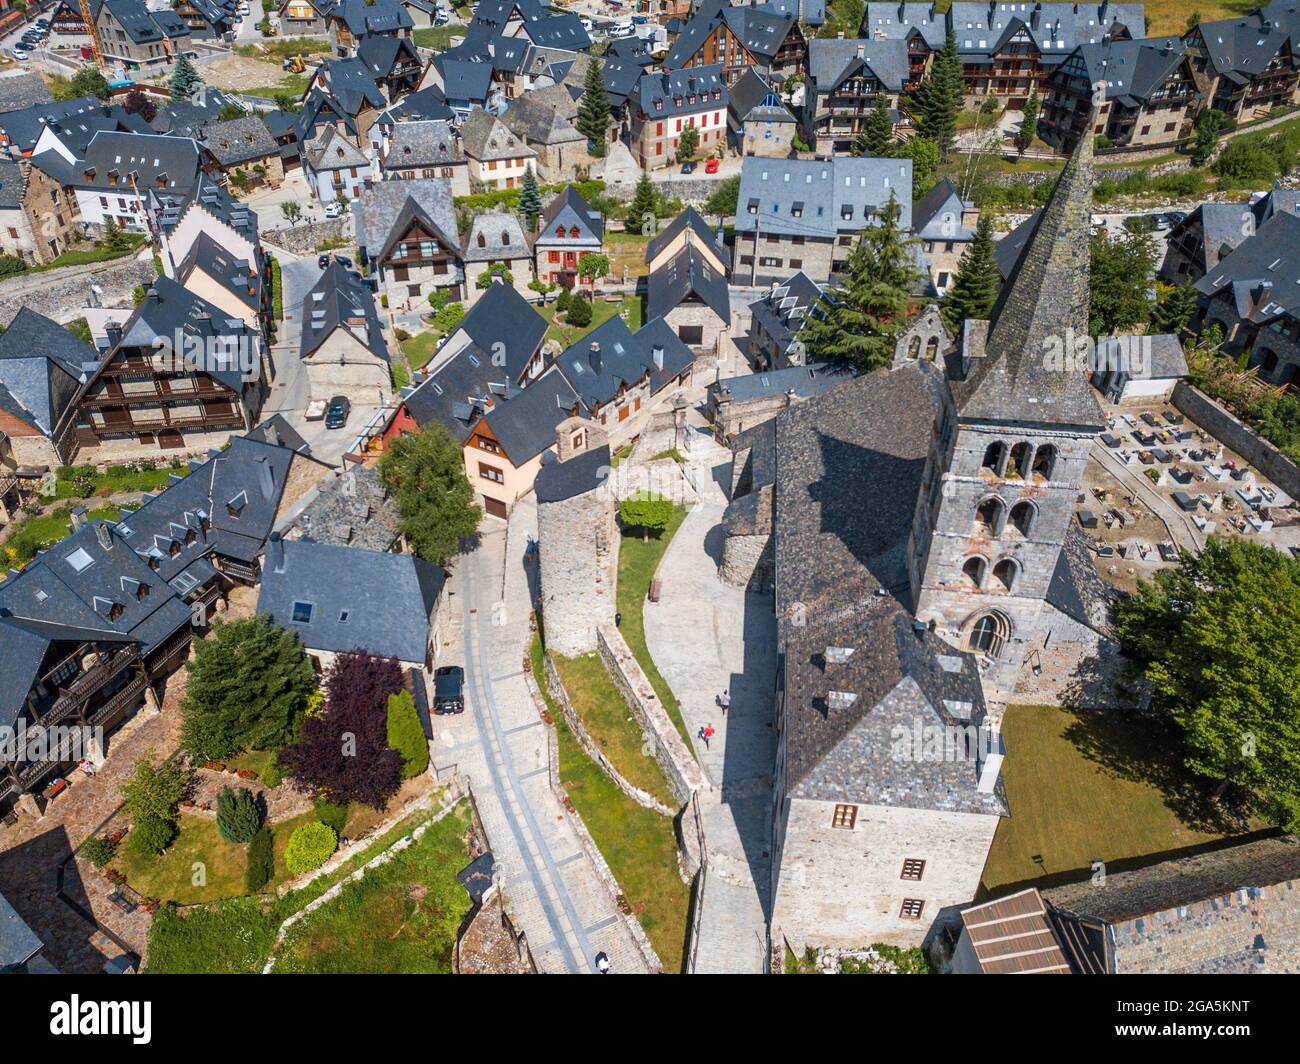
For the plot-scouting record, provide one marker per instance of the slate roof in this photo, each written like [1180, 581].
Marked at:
[427, 103]
[1046, 296]
[502, 316]
[801, 382]
[689, 218]
[187, 118]
[544, 116]
[866, 439]
[148, 158]
[831, 62]
[41, 369]
[688, 276]
[557, 481]
[1240, 49]
[333, 151]
[384, 212]
[524, 423]
[351, 509]
[239, 140]
[833, 195]
[213, 199]
[1076, 588]
[890, 20]
[622, 359]
[812, 12]
[18, 942]
[11, 185]
[464, 79]
[23, 90]
[337, 301]
[1008, 249]
[1056, 30]
[422, 144]
[567, 208]
[752, 97]
[350, 84]
[663, 95]
[459, 393]
[1262, 274]
[381, 54]
[502, 237]
[1230, 910]
[1132, 70]
[485, 138]
[366, 17]
[276, 431]
[379, 602]
[22, 128]
[938, 214]
[783, 312]
[238, 276]
[144, 26]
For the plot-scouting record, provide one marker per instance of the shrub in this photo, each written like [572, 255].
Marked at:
[310, 846]
[151, 836]
[261, 861]
[239, 815]
[449, 317]
[332, 814]
[272, 776]
[563, 300]
[579, 312]
[99, 851]
[11, 264]
[402, 335]
[406, 734]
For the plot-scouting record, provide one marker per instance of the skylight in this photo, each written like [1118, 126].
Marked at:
[80, 560]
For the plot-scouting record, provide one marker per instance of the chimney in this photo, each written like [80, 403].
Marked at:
[273, 433]
[657, 353]
[992, 751]
[78, 516]
[862, 49]
[265, 478]
[594, 358]
[275, 552]
[102, 534]
[114, 331]
[151, 293]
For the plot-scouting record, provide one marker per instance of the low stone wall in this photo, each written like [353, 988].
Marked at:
[585, 840]
[556, 688]
[680, 768]
[692, 848]
[300, 239]
[1237, 436]
[64, 293]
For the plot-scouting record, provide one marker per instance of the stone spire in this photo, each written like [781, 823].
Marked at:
[1029, 370]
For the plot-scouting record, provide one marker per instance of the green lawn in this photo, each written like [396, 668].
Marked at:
[626, 251]
[293, 85]
[171, 876]
[611, 724]
[42, 532]
[601, 312]
[116, 479]
[637, 562]
[439, 38]
[1085, 785]
[400, 918]
[419, 349]
[638, 843]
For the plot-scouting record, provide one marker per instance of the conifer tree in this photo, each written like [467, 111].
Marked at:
[239, 817]
[1029, 124]
[593, 111]
[641, 211]
[1175, 310]
[530, 197]
[975, 288]
[185, 80]
[858, 321]
[937, 101]
[877, 136]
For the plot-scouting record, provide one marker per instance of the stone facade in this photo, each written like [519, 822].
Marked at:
[770, 258]
[842, 886]
[749, 562]
[926, 336]
[698, 326]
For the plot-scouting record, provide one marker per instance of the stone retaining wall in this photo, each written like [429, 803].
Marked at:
[308, 236]
[556, 688]
[1237, 436]
[64, 293]
[680, 768]
[585, 840]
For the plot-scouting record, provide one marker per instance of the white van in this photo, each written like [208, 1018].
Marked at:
[622, 28]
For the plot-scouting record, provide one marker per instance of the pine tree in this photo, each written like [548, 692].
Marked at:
[1175, 310]
[239, 817]
[185, 80]
[858, 321]
[1029, 124]
[975, 288]
[593, 111]
[877, 136]
[530, 197]
[641, 216]
[937, 101]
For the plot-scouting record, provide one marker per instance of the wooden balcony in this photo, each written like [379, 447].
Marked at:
[88, 683]
[120, 702]
[214, 391]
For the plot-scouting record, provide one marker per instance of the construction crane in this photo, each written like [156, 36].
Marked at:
[91, 31]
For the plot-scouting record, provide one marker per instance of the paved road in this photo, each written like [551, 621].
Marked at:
[500, 744]
[732, 647]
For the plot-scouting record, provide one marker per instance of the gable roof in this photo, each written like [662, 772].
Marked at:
[340, 300]
[378, 602]
[422, 144]
[237, 276]
[384, 212]
[783, 311]
[333, 151]
[748, 96]
[494, 236]
[567, 208]
[831, 195]
[240, 140]
[41, 369]
[524, 422]
[680, 92]
[612, 357]
[832, 61]
[688, 275]
[485, 138]
[23, 90]
[938, 214]
[691, 219]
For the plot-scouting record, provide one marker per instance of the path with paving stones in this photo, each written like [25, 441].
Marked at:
[706, 637]
[554, 890]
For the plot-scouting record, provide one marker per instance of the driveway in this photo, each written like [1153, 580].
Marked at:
[732, 648]
[267, 202]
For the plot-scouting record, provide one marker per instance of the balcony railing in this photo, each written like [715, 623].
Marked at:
[88, 683]
[120, 701]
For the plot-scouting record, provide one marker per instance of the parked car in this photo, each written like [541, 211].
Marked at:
[333, 209]
[449, 689]
[688, 168]
[1176, 216]
[336, 414]
[711, 167]
[586, 23]
[21, 55]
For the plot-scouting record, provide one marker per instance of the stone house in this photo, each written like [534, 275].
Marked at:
[544, 121]
[665, 103]
[343, 345]
[739, 38]
[918, 23]
[776, 321]
[567, 229]
[803, 215]
[422, 149]
[944, 224]
[245, 145]
[847, 80]
[497, 156]
[407, 232]
[496, 239]
[1247, 66]
[687, 285]
[757, 120]
[736, 404]
[42, 367]
[335, 167]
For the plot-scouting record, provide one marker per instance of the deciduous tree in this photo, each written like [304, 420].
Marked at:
[426, 472]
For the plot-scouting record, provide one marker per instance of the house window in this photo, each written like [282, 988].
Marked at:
[302, 613]
[553, 256]
[491, 473]
[846, 816]
[911, 909]
[913, 868]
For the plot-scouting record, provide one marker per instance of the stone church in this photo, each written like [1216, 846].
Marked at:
[914, 521]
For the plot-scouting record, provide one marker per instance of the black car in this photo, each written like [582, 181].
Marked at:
[449, 689]
[688, 168]
[336, 414]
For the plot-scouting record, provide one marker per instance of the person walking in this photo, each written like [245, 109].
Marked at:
[602, 963]
[706, 733]
[724, 700]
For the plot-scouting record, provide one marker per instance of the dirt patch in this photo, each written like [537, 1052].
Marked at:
[236, 72]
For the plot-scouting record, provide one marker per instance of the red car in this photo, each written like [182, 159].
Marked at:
[711, 167]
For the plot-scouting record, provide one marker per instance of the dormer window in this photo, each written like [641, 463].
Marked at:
[482, 240]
